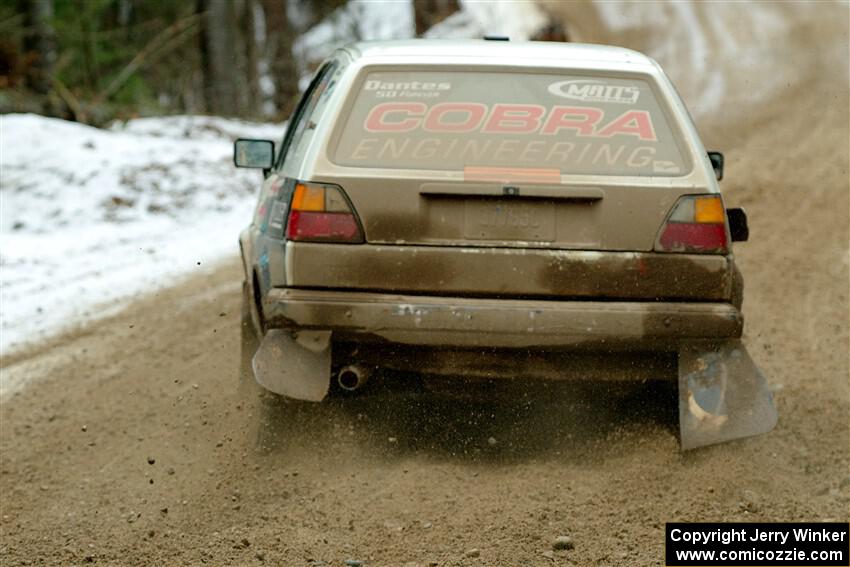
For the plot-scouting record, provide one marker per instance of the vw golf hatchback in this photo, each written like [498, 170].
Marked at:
[500, 210]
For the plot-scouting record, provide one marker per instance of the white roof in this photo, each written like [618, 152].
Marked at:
[486, 51]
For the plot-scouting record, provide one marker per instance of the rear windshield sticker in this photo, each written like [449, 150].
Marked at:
[453, 121]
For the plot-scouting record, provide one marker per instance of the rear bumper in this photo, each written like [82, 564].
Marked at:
[722, 394]
[470, 322]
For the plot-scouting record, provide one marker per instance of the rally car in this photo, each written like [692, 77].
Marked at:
[502, 210]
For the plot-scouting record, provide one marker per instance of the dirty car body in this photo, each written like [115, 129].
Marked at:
[499, 210]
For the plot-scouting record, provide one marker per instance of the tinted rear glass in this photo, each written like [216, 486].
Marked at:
[456, 120]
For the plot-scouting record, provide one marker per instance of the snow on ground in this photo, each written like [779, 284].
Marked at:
[89, 216]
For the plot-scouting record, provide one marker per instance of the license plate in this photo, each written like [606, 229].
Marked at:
[527, 220]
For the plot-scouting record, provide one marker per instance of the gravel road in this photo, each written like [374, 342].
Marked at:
[137, 442]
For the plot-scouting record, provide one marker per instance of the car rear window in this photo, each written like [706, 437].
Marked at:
[461, 120]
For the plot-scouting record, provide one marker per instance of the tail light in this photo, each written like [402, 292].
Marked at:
[322, 213]
[697, 224]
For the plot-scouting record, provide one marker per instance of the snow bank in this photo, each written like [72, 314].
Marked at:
[90, 216]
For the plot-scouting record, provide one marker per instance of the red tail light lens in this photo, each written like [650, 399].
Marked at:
[693, 237]
[322, 213]
[333, 227]
[697, 224]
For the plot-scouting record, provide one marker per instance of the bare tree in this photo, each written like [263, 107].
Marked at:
[39, 43]
[248, 29]
[284, 71]
[221, 57]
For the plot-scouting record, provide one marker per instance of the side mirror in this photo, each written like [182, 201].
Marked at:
[716, 159]
[257, 154]
[738, 228]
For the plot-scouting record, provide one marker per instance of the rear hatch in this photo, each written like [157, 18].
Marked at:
[522, 155]
[492, 160]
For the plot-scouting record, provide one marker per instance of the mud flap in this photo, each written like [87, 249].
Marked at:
[722, 394]
[295, 367]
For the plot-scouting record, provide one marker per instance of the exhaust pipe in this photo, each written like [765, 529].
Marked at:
[352, 377]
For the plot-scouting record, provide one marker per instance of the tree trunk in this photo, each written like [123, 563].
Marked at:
[253, 98]
[39, 44]
[284, 72]
[86, 16]
[221, 58]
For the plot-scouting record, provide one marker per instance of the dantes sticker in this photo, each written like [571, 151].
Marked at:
[587, 90]
[374, 85]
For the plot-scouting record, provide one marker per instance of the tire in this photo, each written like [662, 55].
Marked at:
[247, 320]
[249, 333]
[251, 310]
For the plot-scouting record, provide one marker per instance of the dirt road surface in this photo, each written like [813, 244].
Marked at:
[136, 442]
